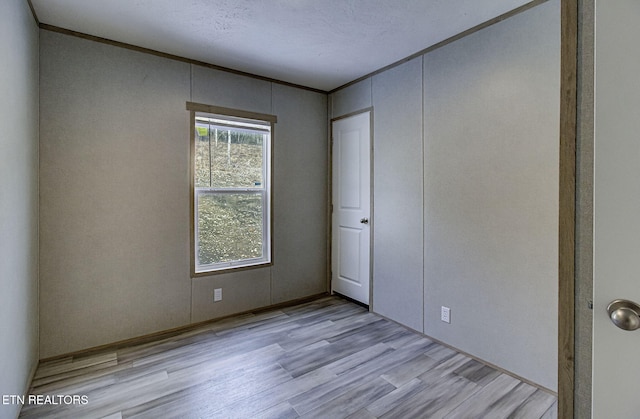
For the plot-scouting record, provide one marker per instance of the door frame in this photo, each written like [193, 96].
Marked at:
[330, 200]
[567, 207]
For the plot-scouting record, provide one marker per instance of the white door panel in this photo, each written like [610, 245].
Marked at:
[351, 200]
[349, 180]
[616, 361]
[349, 268]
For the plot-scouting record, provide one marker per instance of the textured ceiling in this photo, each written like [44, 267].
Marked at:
[316, 43]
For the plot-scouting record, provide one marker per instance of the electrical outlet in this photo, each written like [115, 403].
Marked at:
[445, 314]
[217, 294]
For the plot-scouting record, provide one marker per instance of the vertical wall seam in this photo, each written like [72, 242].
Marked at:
[190, 215]
[273, 232]
[371, 91]
[38, 191]
[423, 197]
[329, 192]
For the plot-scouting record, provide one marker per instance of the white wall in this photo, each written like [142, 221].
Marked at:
[18, 200]
[491, 195]
[115, 194]
[300, 224]
[466, 191]
[398, 195]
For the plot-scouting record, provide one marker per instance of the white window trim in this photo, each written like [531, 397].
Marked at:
[267, 191]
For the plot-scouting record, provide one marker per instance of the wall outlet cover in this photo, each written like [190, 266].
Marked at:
[217, 294]
[445, 314]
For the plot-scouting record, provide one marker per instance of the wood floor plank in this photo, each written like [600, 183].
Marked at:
[52, 378]
[552, 412]
[499, 398]
[445, 367]
[322, 393]
[251, 406]
[355, 360]
[279, 411]
[306, 336]
[535, 406]
[477, 372]
[302, 361]
[441, 353]
[396, 398]
[75, 364]
[209, 395]
[203, 352]
[404, 337]
[361, 414]
[437, 400]
[351, 400]
[327, 358]
[407, 371]
[81, 383]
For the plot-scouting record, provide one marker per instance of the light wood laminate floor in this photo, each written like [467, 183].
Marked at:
[324, 359]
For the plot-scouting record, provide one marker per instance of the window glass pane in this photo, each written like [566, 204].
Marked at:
[229, 227]
[237, 159]
[203, 162]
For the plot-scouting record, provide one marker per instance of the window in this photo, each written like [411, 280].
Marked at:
[231, 188]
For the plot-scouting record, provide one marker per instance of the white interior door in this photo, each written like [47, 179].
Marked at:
[616, 352]
[351, 207]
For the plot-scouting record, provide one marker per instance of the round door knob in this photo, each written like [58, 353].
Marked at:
[625, 314]
[364, 220]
